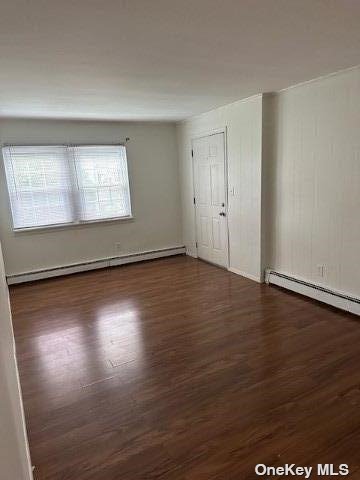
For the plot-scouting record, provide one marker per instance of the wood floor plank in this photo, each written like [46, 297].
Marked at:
[178, 370]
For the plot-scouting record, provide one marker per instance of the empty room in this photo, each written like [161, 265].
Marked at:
[179, 239]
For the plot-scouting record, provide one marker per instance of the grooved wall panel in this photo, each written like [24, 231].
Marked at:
[314, 204]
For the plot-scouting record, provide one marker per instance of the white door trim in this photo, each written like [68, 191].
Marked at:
[209, 133]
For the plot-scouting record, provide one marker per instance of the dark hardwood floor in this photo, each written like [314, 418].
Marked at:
[178, 370]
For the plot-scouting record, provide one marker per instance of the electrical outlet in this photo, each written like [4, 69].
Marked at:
[118, 247]
[321, 270]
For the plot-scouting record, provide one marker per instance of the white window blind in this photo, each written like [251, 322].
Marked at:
[60, 185]
[103, 181]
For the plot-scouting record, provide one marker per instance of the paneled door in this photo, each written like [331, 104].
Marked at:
[210, 198]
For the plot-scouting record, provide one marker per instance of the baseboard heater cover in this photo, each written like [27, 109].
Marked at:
[312, 290]
[94, 265]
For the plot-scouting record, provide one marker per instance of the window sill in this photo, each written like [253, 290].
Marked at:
[66, 226]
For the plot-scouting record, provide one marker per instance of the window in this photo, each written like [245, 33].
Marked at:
[61, 185]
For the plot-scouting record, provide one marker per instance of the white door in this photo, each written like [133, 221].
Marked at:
[210, 199]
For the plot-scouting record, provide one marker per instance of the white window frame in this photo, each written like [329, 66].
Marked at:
[71, 160]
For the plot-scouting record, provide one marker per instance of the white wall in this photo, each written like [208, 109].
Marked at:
[153, 168]
[14, 454]
[314, 197]
[243, 121]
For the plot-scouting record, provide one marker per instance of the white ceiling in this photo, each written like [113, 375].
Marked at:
[164, 59]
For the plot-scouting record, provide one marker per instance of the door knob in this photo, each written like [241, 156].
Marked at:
[222, 214]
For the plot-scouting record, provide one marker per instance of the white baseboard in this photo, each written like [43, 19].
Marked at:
[316, 291]
[93, 265]
[191, 253]
[245, 274]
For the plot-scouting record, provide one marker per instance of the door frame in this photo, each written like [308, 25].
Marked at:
[209, 133]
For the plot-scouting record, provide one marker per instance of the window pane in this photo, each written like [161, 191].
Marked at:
[39, 184]
[102, 178]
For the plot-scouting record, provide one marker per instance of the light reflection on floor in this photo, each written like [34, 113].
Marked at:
[65, 360]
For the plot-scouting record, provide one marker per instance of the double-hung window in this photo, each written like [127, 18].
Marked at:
[62, 185]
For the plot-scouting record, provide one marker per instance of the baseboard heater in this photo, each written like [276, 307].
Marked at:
[94, 265]
[318, 292]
